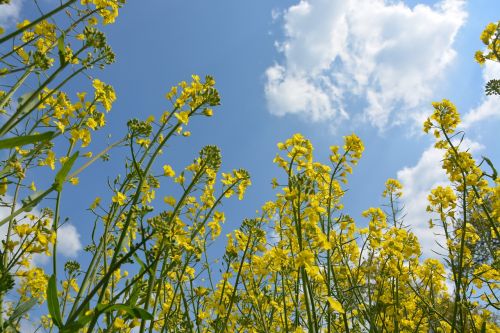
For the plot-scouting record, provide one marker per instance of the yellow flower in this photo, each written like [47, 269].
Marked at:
[171, 93]
[488, 32]
[180, 179]
[95, 203]
[215, 229]
[22, 24]
[3, 186]
[335, 305]
[168, 171]
[23, 229]
[93, 21]
[169, 200]
[119, 323]
[445, 115]
[50, 160]
[143, 142]
[91, 123]
[479, 57]
[60, 125]
[74, 180]
[119, 198]
[392, 187]
[304, 258]
[190, 271]
[183, 117]
[104, 93]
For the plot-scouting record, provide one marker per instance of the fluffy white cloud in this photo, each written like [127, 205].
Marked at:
[68, 238]
[490, 105]
[68, 245]
[10, 13]
[417, 182]
[385, 52]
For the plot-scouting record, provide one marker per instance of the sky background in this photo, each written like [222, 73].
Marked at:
[324, 68]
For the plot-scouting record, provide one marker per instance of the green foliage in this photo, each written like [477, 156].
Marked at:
[300, 265]
[493, 87]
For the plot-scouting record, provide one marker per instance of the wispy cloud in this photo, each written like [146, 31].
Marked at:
[68, 238]
[489, 106]
[418, 181]
[9, 14]
[384, 53]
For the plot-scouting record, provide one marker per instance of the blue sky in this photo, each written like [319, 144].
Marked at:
[325, 68]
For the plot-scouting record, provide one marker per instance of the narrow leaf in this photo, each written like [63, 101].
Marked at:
[22, 309]
[28, 204]
[61, 175]
[53, 302]
[32, 200]
[83, 320]
[60, 43]
[19, 141]
[26, 102]
[132, 311]
[62, 49]
[494, 171]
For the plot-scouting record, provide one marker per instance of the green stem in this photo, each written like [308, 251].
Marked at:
[458, 281]
[14, 88]
[5, 253]
[235, 288]
[54, 229]
[35, 22]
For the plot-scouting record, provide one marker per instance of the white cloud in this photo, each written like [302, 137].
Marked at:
[68, 245]
[9, 14]
[68, 238]
[385, 52]
[68, 241]
[490, 105]
[417, 182]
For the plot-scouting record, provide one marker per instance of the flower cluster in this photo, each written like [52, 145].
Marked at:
[302, 264]
[490, 37]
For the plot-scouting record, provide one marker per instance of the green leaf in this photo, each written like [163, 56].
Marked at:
[494, 171]
[493, 87]
[483, 327]
[134, 294]
[60, 43]
[53, 302]
[61, 175]
[62, 48]
[22, 309]
[141, 263]
[83, 320]
[26, 102]
[132, 311]
[74, 326]
[19, 141]
[32, 200]
[28, 204]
